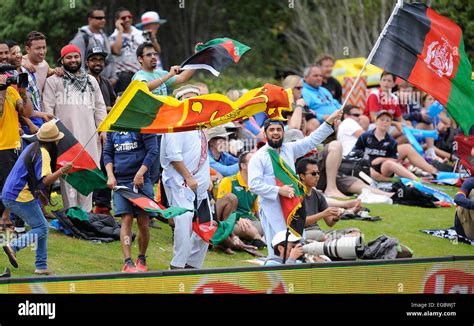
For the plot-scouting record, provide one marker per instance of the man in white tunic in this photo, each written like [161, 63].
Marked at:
[75, 98]
[186, 173]
[261, 176]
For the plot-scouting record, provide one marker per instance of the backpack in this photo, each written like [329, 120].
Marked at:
[411, 196]
[352, 166]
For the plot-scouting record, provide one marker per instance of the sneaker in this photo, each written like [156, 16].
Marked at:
[141, 265]
[11, 255]
[258, 243]
[153, 224]
[43, 272]
[129, 267]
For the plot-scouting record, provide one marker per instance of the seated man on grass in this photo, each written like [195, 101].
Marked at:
[317, 207]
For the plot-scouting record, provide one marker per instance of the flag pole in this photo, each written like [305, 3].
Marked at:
[374, 49]
[286, 244]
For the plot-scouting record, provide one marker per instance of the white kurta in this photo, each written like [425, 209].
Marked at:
[81, 113]
[188, 247]
[261, 179]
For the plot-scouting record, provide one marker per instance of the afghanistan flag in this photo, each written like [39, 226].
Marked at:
[427, 50]
[84, 176]
[215, 55]
[148, 204]
[211, 231]
[141, 111]
[293, 208]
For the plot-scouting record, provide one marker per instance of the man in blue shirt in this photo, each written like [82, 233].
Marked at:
[318, 98]
[219, 159]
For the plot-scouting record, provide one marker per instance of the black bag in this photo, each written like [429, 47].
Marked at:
[352, 166]
[412, 197]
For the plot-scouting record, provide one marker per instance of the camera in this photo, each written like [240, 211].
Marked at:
[20, 79]
[342, 248]
[147, 35]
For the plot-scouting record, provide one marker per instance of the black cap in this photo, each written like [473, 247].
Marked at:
[96, 51]
[269, 122]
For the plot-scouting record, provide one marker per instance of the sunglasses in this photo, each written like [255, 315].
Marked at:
[298, 88]
[313, 173]
[126, 17]
[355, 114]
[98, 18]
[151, 54]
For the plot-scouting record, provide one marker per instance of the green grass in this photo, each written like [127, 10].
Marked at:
[72, 256]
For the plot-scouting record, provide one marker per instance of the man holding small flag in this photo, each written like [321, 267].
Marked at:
[272, 177]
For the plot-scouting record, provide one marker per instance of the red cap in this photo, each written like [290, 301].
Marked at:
[68, 49]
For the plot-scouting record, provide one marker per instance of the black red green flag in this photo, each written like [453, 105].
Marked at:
[215, 55]
[211, 231]
[85, 176]
[293, 208]
[427, 50]
[148, 204]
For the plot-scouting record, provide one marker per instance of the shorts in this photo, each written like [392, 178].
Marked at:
[343, 183]
[378, 168]
[124, 206]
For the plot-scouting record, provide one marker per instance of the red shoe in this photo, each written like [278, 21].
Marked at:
[102, 210]
[141, 265]
[129, 268]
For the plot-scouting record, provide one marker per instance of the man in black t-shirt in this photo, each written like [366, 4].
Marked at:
[317, 207]
[329, 82]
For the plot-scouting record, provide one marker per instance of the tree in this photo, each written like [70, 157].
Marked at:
[57, 19]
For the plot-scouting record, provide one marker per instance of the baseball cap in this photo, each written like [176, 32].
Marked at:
[97, 50]
[281, 236]
[384, 112]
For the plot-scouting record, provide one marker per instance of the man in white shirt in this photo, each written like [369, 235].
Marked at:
[349, 129]
[261, 178]
[186, 174]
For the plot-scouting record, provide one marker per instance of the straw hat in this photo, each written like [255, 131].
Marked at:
[49, 132]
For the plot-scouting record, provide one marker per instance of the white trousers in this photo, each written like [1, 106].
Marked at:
[188, 247]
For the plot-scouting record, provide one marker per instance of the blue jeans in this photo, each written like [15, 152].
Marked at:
[31, 213]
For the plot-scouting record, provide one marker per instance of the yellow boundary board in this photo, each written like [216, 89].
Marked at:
[407, 276]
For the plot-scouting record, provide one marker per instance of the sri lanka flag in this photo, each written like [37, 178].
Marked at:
[141, 111]
[215, 55]
[427, 50]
